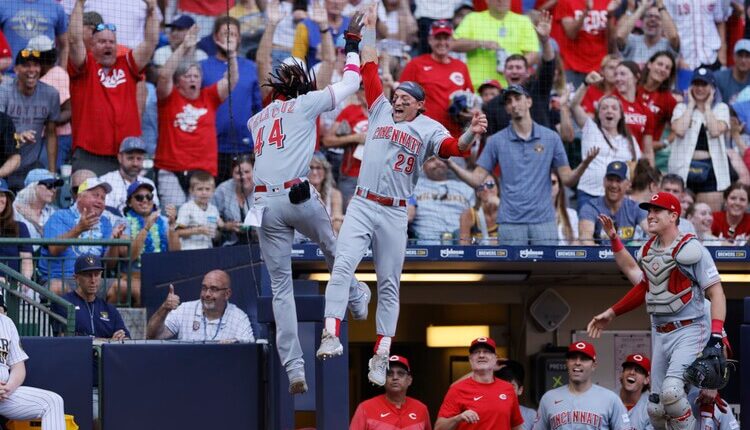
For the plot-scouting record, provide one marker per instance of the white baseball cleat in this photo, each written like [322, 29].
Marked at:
[297, 383]
[359, 307]
[330, 346]
[378, 368]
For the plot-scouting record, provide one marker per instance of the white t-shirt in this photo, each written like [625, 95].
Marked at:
[187, 322]
[592, 180]
[191, 215]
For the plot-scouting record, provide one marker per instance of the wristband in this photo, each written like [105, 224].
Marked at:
[352, 36]
[717, 327]
[616, 244]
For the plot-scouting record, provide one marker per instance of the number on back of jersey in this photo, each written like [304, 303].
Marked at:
[275, 138]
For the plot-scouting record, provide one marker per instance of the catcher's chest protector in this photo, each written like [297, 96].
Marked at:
[669, 290]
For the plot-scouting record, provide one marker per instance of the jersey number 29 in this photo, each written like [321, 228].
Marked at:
[404, 163]
[276, 138]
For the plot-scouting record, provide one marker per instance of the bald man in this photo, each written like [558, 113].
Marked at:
[212, 318]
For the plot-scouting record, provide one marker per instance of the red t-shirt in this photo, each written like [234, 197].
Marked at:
[515, 6]
[439, 81]
[380, 414]
[205, 7]
[105, 110]
[638, 119]
[187, 132]
[591, 99]
[720, 226]
[584, 54]
[355, 117]
[4, 47]
[495, 403]
[661, 104]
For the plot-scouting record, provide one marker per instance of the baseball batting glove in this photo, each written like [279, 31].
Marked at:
[710, 369]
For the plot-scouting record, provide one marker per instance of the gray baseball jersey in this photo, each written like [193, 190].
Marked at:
[638, 414]
[26, 403]
[529, 416]
[597, 408]
[395, 152]
[284, 134]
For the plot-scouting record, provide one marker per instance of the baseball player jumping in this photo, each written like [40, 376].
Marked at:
[399, 140]
[284, 136]
[672, 272]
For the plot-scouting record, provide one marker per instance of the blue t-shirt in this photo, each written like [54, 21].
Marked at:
[524, 171]
[60, 223]
[9, 254]
[246, 102]
[97, 318]
[626, 220]
[314, 38]
[21, 20]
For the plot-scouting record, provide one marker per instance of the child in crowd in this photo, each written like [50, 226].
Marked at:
[198, 220]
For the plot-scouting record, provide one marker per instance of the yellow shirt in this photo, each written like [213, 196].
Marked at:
[514, 33]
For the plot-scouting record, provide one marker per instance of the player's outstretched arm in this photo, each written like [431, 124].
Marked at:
[597, 324]
[349, 84]
[624, 260]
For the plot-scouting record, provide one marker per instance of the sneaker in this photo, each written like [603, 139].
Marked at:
[297, 383]
[330, 346]
[378, 368]
[359, 307]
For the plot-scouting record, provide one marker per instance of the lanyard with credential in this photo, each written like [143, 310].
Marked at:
[205, 323]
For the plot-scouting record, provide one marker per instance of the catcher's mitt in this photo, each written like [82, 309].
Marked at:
[710, 369]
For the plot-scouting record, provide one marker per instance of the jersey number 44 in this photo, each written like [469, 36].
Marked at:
[275, 138]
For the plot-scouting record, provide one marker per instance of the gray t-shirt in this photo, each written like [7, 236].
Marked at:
[439, 206]
[636, 49]
[30, 113]
[596, 409]
[728, 86]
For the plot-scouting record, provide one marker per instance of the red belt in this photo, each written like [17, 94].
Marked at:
[377, 198]
[287, 184]
[672, 326]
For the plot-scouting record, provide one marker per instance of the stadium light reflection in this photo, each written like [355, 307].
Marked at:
[457, 336]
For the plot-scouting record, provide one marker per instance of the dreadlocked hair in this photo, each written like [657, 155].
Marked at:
[291, 81]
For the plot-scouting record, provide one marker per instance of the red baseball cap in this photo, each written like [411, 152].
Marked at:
[482, 341]
[490, 83]
[441, 27]
[639, 360]
[584, 348]
[665, 201]
[397, 359]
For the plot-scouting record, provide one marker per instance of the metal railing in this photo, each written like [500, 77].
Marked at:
[118, 274]
[33, 317]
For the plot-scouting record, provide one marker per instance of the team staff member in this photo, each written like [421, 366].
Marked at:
[212, 318]
[672, 273]
[634, 381]
[440, 75]
[581, 404]
[94, 316]
[399, 141]
[513, 372]
[394, 409]
[480, 401]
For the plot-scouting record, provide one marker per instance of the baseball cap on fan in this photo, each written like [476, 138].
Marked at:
[581, 347]
[665, 201]
[182, 23]
[486, 342]
[639, 360]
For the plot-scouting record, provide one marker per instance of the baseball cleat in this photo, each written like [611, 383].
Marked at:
[298, 386]
[330, 346]
[378, 368]
[359, 306]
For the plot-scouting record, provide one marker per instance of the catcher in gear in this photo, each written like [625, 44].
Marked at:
[671, 273]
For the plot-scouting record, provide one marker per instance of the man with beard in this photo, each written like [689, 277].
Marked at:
[131, 155]
[212, 318]
[33, 107]
[615, 204]
[393, 409]
[103, 89]
[581, 404]
[634, 383]
[525, 152]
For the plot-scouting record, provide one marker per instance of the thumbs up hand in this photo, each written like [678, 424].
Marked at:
[172, 301]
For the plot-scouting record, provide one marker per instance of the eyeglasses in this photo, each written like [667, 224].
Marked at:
[26, 53]
[212, 290]
[486, 186]
[102, 27]
[49, 185]
[144, 197]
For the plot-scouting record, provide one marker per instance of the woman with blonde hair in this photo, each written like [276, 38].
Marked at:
[321, 178]
[478, 225]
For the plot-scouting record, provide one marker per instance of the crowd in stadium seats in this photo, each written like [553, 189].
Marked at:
[141, 108]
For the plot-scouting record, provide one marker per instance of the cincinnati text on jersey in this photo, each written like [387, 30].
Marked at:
[575, 417]
[398, 137]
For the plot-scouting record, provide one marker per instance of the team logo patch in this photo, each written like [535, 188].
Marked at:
[457, 78]
[104, 316]
[638, 357]
[413, 416]
[503, 397]
[581, 345]
[196, 325]
[539, 148]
